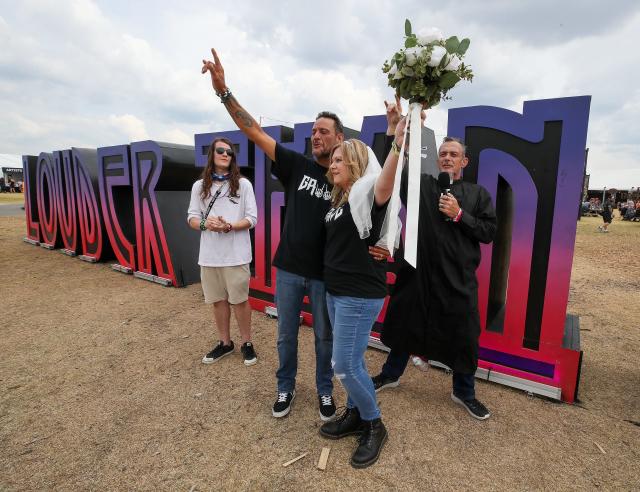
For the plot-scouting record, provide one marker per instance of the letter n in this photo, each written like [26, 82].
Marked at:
[532, 164]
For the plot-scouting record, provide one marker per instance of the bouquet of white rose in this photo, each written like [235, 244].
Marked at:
[428, 66]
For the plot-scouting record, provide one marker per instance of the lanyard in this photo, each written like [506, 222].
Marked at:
[213, 200]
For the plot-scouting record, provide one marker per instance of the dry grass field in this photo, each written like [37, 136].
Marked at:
[102, 388]
[11, 198]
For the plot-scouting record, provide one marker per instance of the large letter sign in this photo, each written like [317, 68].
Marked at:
[90, 220]
[116, 198]
[130, 201]
[29, 166]
[66, 201]
[532, 164]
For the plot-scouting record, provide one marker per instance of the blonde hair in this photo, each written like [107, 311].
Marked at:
[355, 158]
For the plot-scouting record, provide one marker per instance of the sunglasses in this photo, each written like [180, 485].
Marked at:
[222, 150]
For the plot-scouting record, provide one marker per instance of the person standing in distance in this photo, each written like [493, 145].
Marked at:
[223, 207]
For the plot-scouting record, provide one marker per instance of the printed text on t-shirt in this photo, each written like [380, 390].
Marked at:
[333, 214]
[311, 184]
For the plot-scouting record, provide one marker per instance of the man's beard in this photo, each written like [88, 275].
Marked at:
[324, 154]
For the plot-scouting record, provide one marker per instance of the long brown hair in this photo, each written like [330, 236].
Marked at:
[356, 158]
[234, 172]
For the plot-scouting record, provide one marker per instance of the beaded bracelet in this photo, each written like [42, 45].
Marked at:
[395, 148]
[202, 226]
[224, 96]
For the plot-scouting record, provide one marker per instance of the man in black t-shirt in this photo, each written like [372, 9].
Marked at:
[299, 257]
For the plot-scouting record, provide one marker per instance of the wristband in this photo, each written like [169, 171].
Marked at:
[224, 96]
[202, 225]
[458, 216]
[395, 148]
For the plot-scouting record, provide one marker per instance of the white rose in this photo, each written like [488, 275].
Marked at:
[428, 35]
[393, 69]
[436, 56]
[453, 64]
[398, 75]
[411, 55]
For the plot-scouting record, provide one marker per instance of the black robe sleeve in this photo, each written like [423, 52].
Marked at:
[480, 223]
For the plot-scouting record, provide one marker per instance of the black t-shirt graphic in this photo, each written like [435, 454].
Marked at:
[349, 269]
[308, 199]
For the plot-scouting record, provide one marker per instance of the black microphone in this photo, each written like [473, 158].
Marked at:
[444, 183]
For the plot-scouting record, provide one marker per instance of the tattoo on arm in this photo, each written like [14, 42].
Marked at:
[246, 119]
[241, 117]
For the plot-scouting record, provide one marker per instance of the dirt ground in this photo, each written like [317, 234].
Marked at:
[102, 388]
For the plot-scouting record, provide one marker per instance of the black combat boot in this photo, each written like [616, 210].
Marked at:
[348, 423]
[370, 444]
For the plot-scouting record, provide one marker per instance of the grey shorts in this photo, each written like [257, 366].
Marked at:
[230, 283]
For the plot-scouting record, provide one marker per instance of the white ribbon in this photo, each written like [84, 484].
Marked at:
[412, 130]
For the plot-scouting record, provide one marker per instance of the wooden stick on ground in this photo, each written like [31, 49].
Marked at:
[600, 447]
[324, 457]
[294, 459]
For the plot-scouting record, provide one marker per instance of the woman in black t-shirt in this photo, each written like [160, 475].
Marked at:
[356, 284]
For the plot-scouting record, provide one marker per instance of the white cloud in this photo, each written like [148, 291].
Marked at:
[130, 127]
[94, 73]
[176, 135]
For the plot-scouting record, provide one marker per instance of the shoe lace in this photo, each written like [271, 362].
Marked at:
[367, 435]
[341, 413]
[326, 400]
[216, 349]
[282, 397]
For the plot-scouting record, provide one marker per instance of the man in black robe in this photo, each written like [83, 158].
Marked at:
[433, 310]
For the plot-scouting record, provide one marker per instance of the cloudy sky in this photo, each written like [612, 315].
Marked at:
[90, 73]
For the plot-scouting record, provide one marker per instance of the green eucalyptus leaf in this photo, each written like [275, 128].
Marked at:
[463, 46]
[410, 42]
[448, 80]
[403, 86]
[431, 90]
[451, 45]
[407, 27]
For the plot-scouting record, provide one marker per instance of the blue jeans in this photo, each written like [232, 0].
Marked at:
[290, 292]
[352, 319]
[396, 363]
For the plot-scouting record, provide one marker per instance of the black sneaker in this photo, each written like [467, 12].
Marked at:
[282, 406]
[218, 352]
[381, 381]
[476, 409]
[327, 407]
[248, 354]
